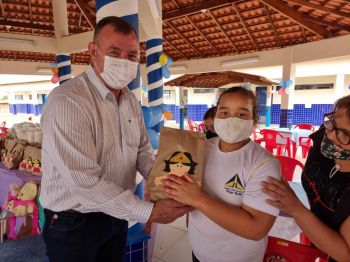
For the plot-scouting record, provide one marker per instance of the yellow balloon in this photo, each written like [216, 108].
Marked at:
[168, 115]
[54, 70]
[163, 59]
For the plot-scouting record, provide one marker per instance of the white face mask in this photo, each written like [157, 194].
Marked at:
[118, 73]
[233, 129]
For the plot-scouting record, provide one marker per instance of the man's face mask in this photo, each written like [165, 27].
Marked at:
[332, 151]
[118, 73]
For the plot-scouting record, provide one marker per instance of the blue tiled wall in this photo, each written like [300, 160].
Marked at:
[26, 109]
[174, 109]
[196, 112]
[313, 115]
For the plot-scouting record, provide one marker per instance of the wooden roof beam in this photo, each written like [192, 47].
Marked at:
[196, 9]
[245, 27]
[205, 38]
[173, 47]
[26, 25]
[320, 7]
[328, 23]
[183, 37]
[222, 30]
[84, 9]
[273, 25]
[299, 18]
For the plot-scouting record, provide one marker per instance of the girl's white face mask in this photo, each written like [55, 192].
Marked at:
[233, 129]
[118, 73]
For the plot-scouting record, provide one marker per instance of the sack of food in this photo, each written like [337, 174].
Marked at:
[180, 152]
[14, 153]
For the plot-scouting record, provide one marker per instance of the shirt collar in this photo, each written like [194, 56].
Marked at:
[100, 86]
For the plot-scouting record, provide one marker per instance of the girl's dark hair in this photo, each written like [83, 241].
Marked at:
[343, 102]
[210, 113]
[117, 23]
[248, 94]
[188, 155]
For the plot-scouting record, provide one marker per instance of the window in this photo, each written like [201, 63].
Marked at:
[168, 94]
[314, 86]
[203, 90]
[18, 97]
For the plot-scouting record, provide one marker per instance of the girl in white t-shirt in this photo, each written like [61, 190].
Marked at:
[231, 218]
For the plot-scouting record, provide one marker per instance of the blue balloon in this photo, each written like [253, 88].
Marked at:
[169, 61]
[154, 138]
[53, 65]
[152, 115]
[166, 72]
[282, 83]
[289, 83]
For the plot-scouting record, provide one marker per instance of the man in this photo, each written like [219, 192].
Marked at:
[209, 122]
[94, 142]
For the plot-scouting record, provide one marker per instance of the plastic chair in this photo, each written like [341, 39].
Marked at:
[288, 165]
[305, 126]
[192, 125]
[273, 140]
[257, 136]
[201, 127]
[283, 250]
[3, 131]
[305, 143]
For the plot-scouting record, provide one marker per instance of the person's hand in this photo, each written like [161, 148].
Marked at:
[166, 211]
[283, 197]
[186, 191]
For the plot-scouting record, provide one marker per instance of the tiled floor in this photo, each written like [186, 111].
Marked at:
[171, 243]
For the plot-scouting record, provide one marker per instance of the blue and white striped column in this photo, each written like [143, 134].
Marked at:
[154, 48]
[128, 10]
[64, 66]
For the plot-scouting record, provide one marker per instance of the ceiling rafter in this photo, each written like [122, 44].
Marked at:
[273, 25]
[196, 8]
[200, 32]
[183, 37]
[222, 30]
[84, 9]
[30, 12]
[320, 7]
[26, 25]
[174, 47]
[328, 23]
[2, 8]
[176, 4]
[245, 27]
[299, 18]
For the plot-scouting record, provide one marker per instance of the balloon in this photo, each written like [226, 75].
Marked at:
[154, 138]
[53, 65]
[282, 83]
[169, 62]
[166, 72]
[289, 83]
[54, 79]
[152, 115]
[168, 115]
[280, 92]
[163, 59]
[54, 70]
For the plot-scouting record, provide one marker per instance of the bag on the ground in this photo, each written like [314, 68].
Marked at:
[180, 152]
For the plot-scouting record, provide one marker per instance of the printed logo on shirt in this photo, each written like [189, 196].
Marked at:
[234, 186]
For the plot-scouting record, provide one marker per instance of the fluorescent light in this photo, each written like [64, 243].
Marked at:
[14, 41]
[178, 68]
[44, 70]
[240, 61]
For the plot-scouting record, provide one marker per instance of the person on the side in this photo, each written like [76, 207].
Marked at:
[208, 120]
[231, 218]
[326, 181]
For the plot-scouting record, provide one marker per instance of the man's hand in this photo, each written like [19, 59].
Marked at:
[167, 210]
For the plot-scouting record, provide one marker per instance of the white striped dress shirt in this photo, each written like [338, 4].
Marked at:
[92, 148]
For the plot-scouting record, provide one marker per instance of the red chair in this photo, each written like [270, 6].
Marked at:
[305, 143]
[283, 250]
[193, 125]
[274, 139]
[3, 129]
[305, 126]
[201, 127]
[288, 165]
[257, 136]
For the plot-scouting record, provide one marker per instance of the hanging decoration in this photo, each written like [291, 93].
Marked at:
[54, 69]
[284, 84]
[165, 61]
[144, 90]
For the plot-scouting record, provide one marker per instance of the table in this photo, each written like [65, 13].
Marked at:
[294, 135]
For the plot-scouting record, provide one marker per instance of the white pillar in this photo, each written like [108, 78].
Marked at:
[339, 86]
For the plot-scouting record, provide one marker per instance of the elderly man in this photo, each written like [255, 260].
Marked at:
[94, 142]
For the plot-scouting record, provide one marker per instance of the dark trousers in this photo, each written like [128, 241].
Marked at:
[194, 258]
[73, 237]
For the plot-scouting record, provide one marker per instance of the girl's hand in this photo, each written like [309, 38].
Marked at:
[283, 197]
[185, 191]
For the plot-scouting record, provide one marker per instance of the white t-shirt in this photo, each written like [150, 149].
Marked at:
[235, 178]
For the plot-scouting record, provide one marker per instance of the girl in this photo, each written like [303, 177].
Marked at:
[231, 219]
[326, 181]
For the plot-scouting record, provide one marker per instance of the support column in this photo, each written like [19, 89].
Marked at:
[128, 10]
[268, 106]
[287, 99]
[64, 67]
[339, 86]
[180, 97]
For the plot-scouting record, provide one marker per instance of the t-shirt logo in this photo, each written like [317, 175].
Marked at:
[234, 185]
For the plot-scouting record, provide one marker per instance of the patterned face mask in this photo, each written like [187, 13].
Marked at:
[332, 151]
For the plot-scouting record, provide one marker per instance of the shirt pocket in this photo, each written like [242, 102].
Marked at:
[132, 131]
